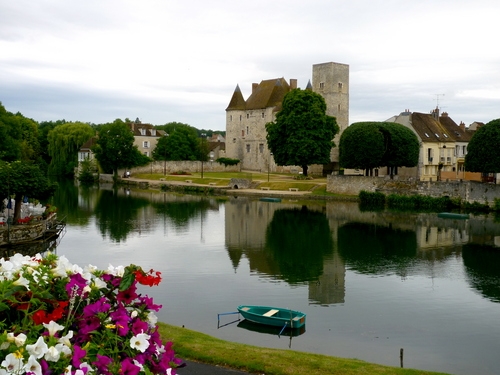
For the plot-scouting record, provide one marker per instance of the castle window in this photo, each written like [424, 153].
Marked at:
[322, 85]
[247, 130]
[340, 85]
[338, 108]
[240, 117]
[242, 133]
[231, 118]
[262, 114]
[248, 115]
[234, 140]
[248, 147]
[261, 148]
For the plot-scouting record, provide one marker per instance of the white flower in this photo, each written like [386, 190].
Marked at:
[52, 354]
[13, 363]
[140, 342]
[38, 349]
[99, 283]
[152, 319]
[65, 339]
[33, 366]
[22, 282]
[116, 271]
[19, 340]
[133, 314]
[63, 266]
[53, 327]
[63, 349]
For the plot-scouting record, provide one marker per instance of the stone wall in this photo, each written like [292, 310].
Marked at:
[469, 191]
[184, 166]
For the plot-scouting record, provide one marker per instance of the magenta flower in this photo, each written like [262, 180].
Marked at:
[100, 305]
[149, 303]
[102, 364]
[138, 326]
[76, 283]
[127, 296]
[78, 354]
[128, 367]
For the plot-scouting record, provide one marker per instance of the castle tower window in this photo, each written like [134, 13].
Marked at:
[322, 85]
[231, 118]
[247, 130]
[261, 147]
[262, 114]
[240, 117]
[248, 147]
[340, 85]
[242, 133]
[248, 115]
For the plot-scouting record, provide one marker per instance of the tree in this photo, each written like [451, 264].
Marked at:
[302, 133]
[23, 179]
[115, 148]
[180, 144]
[18, 137]
[368, 145]
[64, 141]
[483, 154]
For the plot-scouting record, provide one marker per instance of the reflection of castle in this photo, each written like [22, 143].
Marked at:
[247, 222]
[330, 288]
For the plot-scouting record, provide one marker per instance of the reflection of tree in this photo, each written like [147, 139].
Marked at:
[116, 214]
[297, 240]
[373, 249]
[181, 212]
[66, 201]
[482, 264]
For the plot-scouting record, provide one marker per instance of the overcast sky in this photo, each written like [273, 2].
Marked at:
[180, 60]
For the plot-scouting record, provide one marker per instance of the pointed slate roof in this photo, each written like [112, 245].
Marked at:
[429, 129]
[309, 86]
[237, 102]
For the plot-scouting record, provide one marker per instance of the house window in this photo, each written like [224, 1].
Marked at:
[145, 144]
[261, 148]
[143, 131]
[248, 148]
[146, 153]
[153, 132]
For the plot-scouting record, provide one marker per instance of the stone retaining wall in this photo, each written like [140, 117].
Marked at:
[469, 191]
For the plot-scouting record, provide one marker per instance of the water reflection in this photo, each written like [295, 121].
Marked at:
[482, 264]
[298, 240]
[374, 249]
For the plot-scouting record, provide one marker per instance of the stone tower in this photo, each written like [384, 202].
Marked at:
[331, 81]
[246, 119]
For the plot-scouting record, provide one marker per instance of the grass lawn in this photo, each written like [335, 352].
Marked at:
[195, 346]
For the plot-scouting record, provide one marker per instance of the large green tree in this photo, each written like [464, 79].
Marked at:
[483, 153]
[302, 133]
[18, 137]
[368, 145]
[64, 141]
[180, 144]
[115, 148]
[23, 179]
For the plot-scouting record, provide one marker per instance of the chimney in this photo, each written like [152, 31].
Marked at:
[462, 125]
[435, 114]
[445, 114]
[254, 87]
[293, 84]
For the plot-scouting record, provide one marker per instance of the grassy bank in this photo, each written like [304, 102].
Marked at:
[199, 347]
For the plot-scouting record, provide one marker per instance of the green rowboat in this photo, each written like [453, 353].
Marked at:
[273, 316]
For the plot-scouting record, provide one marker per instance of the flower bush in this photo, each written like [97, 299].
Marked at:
[58, 318]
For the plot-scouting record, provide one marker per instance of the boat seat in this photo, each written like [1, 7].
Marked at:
[271, 312]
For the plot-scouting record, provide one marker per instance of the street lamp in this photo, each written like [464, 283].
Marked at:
[269, 165]
[203, 153]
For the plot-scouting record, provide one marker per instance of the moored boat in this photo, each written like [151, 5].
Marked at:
[273, 316]
[452, 215]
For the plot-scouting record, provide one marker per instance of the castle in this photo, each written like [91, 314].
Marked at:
[246, 119]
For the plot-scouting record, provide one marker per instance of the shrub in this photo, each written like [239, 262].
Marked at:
[227, 161]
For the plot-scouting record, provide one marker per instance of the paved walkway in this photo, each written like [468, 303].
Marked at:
[196, 368]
